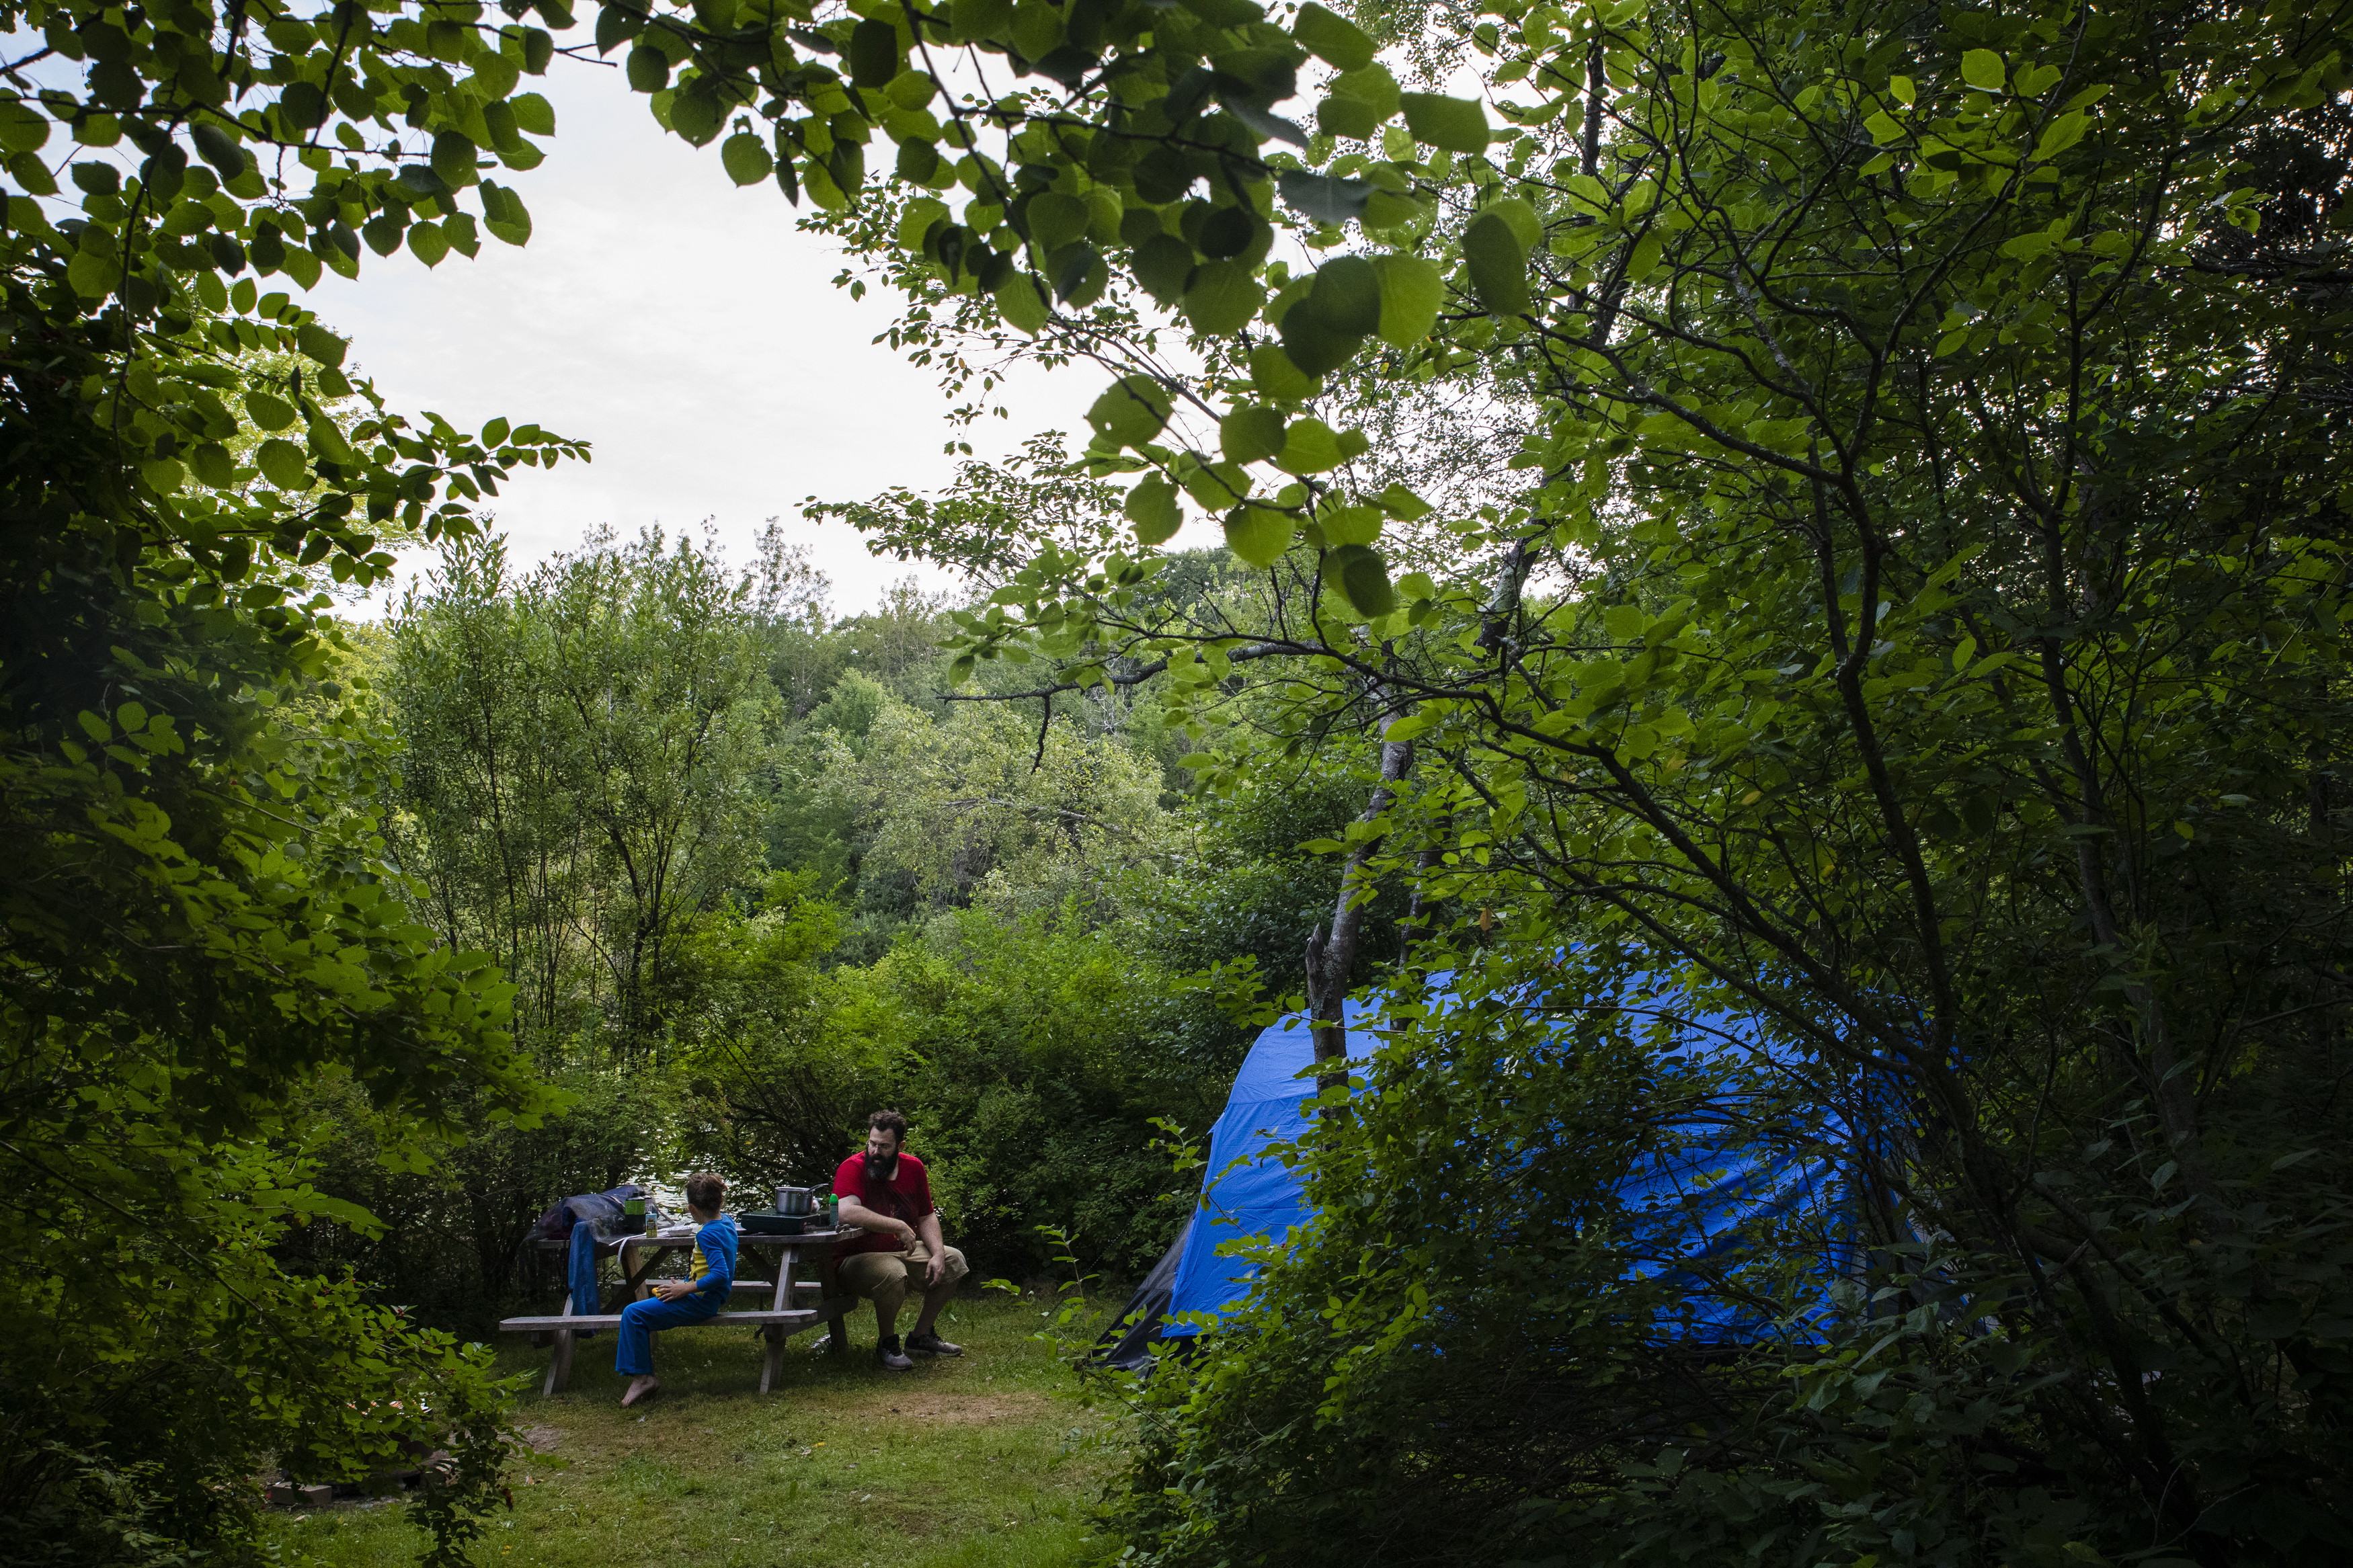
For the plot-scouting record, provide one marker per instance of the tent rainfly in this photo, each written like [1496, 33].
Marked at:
[1698, 1201]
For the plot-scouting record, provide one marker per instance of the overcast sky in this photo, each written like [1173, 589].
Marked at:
[685, 329]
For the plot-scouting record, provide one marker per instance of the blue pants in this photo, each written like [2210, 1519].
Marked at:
[640, 1319]
[585, 1293]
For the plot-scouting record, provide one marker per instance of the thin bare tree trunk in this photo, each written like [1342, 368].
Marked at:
[1332, 961]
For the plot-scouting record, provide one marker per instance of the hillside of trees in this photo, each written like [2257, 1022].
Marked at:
[754, 868]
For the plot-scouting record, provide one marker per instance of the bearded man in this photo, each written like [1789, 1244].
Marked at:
[886, 1195]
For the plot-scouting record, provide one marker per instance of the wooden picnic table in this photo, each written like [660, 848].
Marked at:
[784, 1317]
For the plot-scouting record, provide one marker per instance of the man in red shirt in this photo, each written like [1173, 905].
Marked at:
[885, 1194]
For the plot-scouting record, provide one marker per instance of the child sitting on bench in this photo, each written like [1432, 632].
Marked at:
[676, 1302]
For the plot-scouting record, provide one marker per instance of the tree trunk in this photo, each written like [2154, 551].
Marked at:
[1331, 961]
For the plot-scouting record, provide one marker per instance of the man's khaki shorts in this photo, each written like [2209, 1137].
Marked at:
[885, 1277]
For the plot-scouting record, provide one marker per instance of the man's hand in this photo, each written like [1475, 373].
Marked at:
[672, 1290]
[932, 1269]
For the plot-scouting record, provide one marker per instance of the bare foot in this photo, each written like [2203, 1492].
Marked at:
[639, 1388]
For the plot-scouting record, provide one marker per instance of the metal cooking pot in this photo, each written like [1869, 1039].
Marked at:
[798, 1201]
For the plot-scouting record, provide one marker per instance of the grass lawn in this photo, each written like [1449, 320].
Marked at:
[966, 1463]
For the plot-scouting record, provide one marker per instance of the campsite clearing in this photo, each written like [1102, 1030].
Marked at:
[977, 1462]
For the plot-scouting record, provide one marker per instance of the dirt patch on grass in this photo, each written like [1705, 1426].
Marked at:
[543, 1438]
[966, 1409]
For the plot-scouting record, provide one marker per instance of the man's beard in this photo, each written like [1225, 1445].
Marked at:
[881, 1167]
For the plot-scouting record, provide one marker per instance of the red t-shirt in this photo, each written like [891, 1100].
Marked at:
[908, 1197]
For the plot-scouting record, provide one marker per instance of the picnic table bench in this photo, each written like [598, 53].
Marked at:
[784, 1316]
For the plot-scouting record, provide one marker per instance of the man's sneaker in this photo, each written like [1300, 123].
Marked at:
[890, 1358]
[929, 1344]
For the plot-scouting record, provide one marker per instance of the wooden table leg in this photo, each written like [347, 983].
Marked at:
[780, 1300]
[829, 1285]
[559, 1365]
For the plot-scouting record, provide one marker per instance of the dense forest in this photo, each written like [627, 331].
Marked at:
[755, 869]
[1821, 513]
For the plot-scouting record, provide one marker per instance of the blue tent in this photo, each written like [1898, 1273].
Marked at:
[1697, 1202]
[1249, 1193]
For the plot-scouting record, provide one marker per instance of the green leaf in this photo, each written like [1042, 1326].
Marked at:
[534, 113]
[1346, 296]
[427, 243]
[494, 77]
[1163, 264]
[21, 129]
[29, 171]
[1216, 485]
[1275, 377]
[1222, 297]
[1363, 580]
[270, 413]
[647, 68]
[1333, 38]
[218, 148]
[615, 26]
[1982, 69]
[505, 215]
[2060, 134]
[1247, 434]
[1021, 300]
[212, 464]
[1313, 344]
[1131, 411]
[92, 275]
[1645, 259]
[1373, 86]
[1350, 525]
[1340, 115]
[1524, 224]
[971, 19]
[1456, 124]
[698, 114]
[1402, 503]
[1152, 508]
[1498, 265]
[873, 54]
[282, 465]
[747, 158]
[1412, 290]
[1056, 219]
[917, 161]
[318, 343]
[1310, 446]
[1078, 275]
[1259, 534]
[1323, 198]
[453, 158]
[1342, 305]
[916, 221]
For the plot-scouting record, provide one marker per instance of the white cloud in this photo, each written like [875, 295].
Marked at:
[688, 330]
